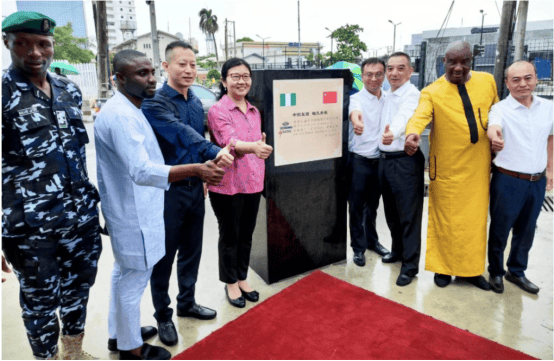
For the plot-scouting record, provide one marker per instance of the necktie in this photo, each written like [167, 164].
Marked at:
[470, 116]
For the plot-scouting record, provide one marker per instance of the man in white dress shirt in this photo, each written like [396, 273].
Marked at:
[363, 146]
[400, 175]
[519, 128]
[132, 179]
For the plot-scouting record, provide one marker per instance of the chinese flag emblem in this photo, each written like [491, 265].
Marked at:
[329, 97]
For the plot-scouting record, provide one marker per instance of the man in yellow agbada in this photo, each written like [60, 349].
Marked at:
[457, 104]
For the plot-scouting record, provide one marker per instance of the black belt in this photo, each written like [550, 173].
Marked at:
[392, 155]
[189, 182]
[529, 177]
[364, 159]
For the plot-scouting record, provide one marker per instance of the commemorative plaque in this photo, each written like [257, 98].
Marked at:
[301, 224]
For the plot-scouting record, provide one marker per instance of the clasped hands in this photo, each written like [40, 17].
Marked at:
[212, 172]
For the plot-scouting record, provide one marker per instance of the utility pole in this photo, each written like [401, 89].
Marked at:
[506, 22]
[234, 39]
[394, 36]
[155, 41]
[299, 43]
[520, 29]
[226, 42]
[331, 36]
[482, 23]
[102, 56]
[190, 33]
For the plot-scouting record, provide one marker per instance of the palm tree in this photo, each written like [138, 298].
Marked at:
[208, 25]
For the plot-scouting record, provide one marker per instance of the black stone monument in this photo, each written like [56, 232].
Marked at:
[301, 224]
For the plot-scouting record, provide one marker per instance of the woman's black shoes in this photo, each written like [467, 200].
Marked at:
[237, 302]
[252, 296]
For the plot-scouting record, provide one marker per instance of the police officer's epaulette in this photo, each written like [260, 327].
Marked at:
[65, 81]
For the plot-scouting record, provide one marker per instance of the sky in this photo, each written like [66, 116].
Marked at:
[279, 19]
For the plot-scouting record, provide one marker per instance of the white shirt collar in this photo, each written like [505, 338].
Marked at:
[514, 104]
[371, 96]
[403, 89]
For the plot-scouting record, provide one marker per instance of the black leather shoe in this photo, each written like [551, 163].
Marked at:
[148, 352]
[252, 296]
[478, 281]
[167, 333]
[146, 333]
[379, 249]
[523, 283]
[442, 280]
[496, 284]
[403, 280]
[390, 258]
[359, 259]
[199, 312]
[237, 302]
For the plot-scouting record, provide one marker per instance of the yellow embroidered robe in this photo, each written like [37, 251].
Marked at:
[459, 173]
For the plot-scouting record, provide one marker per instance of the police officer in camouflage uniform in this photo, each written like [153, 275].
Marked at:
[50, 217]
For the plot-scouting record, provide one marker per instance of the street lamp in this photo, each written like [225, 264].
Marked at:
[263, 47]
[394, 39]
[331, 36]
[482, 22]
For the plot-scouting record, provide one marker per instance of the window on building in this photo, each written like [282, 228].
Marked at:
[130, 10]
[123, 17]
[121, 9]
[130, 17]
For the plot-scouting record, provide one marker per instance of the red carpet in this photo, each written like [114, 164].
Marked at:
[321, 317]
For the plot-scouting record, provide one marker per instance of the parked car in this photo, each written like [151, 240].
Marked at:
[207, 97]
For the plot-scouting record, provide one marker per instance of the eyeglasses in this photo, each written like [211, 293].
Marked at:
[376, 75]
[236, 77]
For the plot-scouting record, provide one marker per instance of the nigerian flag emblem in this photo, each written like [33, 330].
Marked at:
[288, 100]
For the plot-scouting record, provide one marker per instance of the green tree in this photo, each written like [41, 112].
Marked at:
[213, 74]
[246, 38]
[208, 64]
[208, 25]
[314, 57]
[349, 45]
[67, 47]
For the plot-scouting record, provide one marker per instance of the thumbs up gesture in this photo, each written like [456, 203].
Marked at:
[224, 157]
[387, 137]
[357, 122]
[495, 136]
[261, 149]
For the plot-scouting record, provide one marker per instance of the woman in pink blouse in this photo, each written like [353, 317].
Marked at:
[236, 199]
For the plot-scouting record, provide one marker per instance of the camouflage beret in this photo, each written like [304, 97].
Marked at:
[28, 22]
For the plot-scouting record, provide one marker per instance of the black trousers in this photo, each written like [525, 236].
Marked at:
[184, 225]
[402, 185]
[363, 199]
[236, 216]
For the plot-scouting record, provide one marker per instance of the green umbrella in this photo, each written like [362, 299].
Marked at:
[67, 69]
[354, 68]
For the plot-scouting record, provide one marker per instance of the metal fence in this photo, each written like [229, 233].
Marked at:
[87, 80]
[538, 51]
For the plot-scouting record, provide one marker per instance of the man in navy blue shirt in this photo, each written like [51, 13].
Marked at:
[176, 115]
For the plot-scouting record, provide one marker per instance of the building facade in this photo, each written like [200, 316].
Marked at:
[122, 21]
[143, 43]
[274, 53]
[62, 12]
